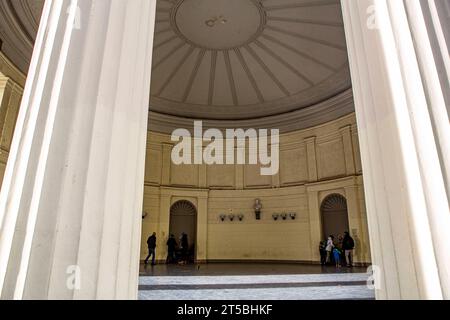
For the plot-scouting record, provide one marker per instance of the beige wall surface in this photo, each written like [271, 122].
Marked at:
[314, 163]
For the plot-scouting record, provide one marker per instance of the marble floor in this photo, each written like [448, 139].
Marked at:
[253, 281]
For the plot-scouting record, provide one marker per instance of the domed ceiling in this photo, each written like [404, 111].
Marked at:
[246, 59]
[19, 22]
[232, 63]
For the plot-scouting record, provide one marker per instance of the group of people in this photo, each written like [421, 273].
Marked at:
[332, 251]
[175, 253]
[337, 252]
[178, 253]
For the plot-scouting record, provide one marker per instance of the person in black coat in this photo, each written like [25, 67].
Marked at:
[323, 252]
[151, 242]
[348, 245]
[171, 247]
[184, 248]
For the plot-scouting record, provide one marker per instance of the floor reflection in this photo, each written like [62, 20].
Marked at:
[252, 281]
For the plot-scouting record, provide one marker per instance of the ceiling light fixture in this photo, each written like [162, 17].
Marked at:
[215, 21]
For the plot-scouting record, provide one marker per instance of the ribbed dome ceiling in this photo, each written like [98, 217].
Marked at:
[244, 59]
[19, 22]
[233, 63]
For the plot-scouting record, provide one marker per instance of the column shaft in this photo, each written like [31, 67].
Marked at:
[403, 150]
[70, 209]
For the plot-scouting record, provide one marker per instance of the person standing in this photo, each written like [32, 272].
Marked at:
[184, 248]
[337, 257]
[340, 246]
[171, 247]
[151, 243]
[348, 245]
[329, 248]
[323, 252]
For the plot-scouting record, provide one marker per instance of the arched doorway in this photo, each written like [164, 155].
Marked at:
[183, 219]
[334, 215]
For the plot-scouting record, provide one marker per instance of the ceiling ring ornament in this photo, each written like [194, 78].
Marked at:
[262, 24]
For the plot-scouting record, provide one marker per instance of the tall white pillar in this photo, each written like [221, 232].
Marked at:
[71, 202]
[405, 137]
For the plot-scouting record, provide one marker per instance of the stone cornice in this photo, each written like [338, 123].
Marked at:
[8, 69]
[329, 110]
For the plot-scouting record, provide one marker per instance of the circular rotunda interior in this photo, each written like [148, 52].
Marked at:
[275, 64]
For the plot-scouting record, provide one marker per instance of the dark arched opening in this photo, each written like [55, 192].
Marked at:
[334, 215]
[183, 219]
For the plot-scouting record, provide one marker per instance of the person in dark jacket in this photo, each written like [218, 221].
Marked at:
[348, 245]
[151, 242]
[323, 252]
[171, 247]
[184, 248]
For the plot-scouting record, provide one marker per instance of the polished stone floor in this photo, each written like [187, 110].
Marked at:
[234, 281]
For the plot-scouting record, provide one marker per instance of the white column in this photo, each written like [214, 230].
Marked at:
[73, 187]
[405, 136]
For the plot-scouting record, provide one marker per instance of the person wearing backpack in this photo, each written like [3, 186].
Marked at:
[337, 256]
[348, 245]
